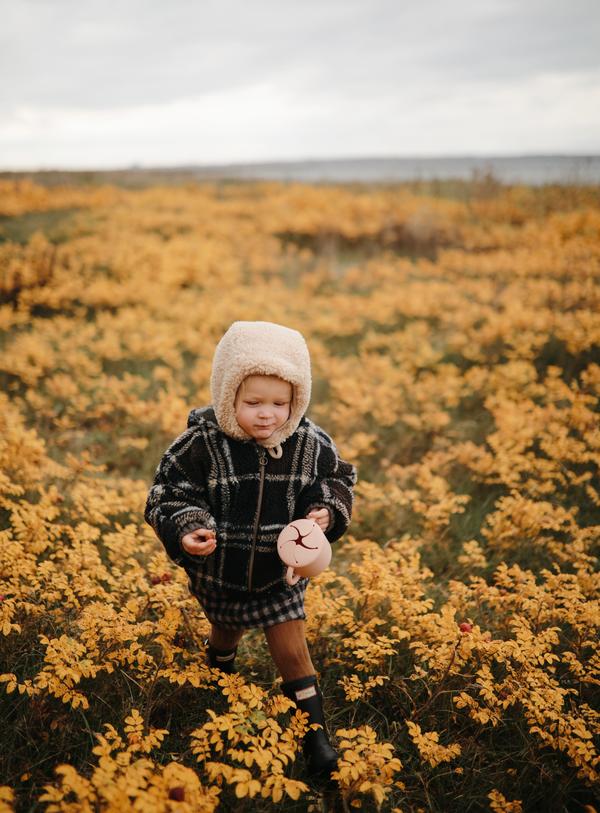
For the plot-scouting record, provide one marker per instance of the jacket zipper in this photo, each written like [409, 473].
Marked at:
[262, 460]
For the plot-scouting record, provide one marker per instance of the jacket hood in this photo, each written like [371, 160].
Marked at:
[260, 348]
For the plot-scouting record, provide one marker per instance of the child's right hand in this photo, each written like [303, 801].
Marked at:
[200, 542]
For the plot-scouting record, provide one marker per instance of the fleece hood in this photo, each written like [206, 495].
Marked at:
[260, 348]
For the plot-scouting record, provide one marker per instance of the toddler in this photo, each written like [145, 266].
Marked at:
[224, 489]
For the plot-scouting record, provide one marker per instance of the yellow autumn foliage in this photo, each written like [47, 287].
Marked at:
[454, 343]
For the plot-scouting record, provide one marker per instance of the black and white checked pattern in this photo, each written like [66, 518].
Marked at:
[257, 610]
[207, 479]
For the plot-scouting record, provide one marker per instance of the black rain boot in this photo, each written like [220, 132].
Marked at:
[223, 659]
[318, 751]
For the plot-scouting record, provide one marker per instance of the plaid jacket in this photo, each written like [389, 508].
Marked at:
[206, 479]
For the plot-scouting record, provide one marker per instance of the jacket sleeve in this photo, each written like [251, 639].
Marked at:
[177, 501]
[332, 488]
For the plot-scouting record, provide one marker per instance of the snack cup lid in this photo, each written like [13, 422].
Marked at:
[300, 542]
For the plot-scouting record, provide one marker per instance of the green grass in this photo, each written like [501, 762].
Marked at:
[55, 225]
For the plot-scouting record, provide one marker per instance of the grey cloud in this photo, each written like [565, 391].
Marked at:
[91, 54]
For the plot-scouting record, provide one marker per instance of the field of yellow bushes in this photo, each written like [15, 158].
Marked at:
[455, 344]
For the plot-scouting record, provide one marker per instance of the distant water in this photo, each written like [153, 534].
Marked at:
[535, 170]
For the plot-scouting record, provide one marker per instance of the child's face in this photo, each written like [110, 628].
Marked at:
[262, 405]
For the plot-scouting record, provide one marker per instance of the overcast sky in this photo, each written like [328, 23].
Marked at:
[111, 83]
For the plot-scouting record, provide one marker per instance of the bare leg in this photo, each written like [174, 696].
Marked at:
[287, 643]
[223, 638]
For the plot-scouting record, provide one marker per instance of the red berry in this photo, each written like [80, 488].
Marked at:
[166, 577]
[465, 627]
[155, 579]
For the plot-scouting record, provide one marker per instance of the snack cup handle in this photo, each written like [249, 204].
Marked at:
[291, 577]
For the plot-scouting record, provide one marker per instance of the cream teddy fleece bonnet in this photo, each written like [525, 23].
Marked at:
[259, 348]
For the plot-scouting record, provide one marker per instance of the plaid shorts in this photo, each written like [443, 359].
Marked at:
[254, 610]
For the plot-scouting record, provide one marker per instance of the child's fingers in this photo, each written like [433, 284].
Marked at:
[204, 548]
[199, 548]
[203, 533]
[320, 516]
[200, 542]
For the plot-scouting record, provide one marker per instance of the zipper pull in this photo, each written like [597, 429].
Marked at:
[262, 457]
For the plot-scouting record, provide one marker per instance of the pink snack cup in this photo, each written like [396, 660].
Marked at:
[304, 548]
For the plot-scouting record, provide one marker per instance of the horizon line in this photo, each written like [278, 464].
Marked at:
[190, 165]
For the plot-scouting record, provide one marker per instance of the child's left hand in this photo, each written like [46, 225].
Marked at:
[321, 516]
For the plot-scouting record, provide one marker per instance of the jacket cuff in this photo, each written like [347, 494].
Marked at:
[189, 519]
